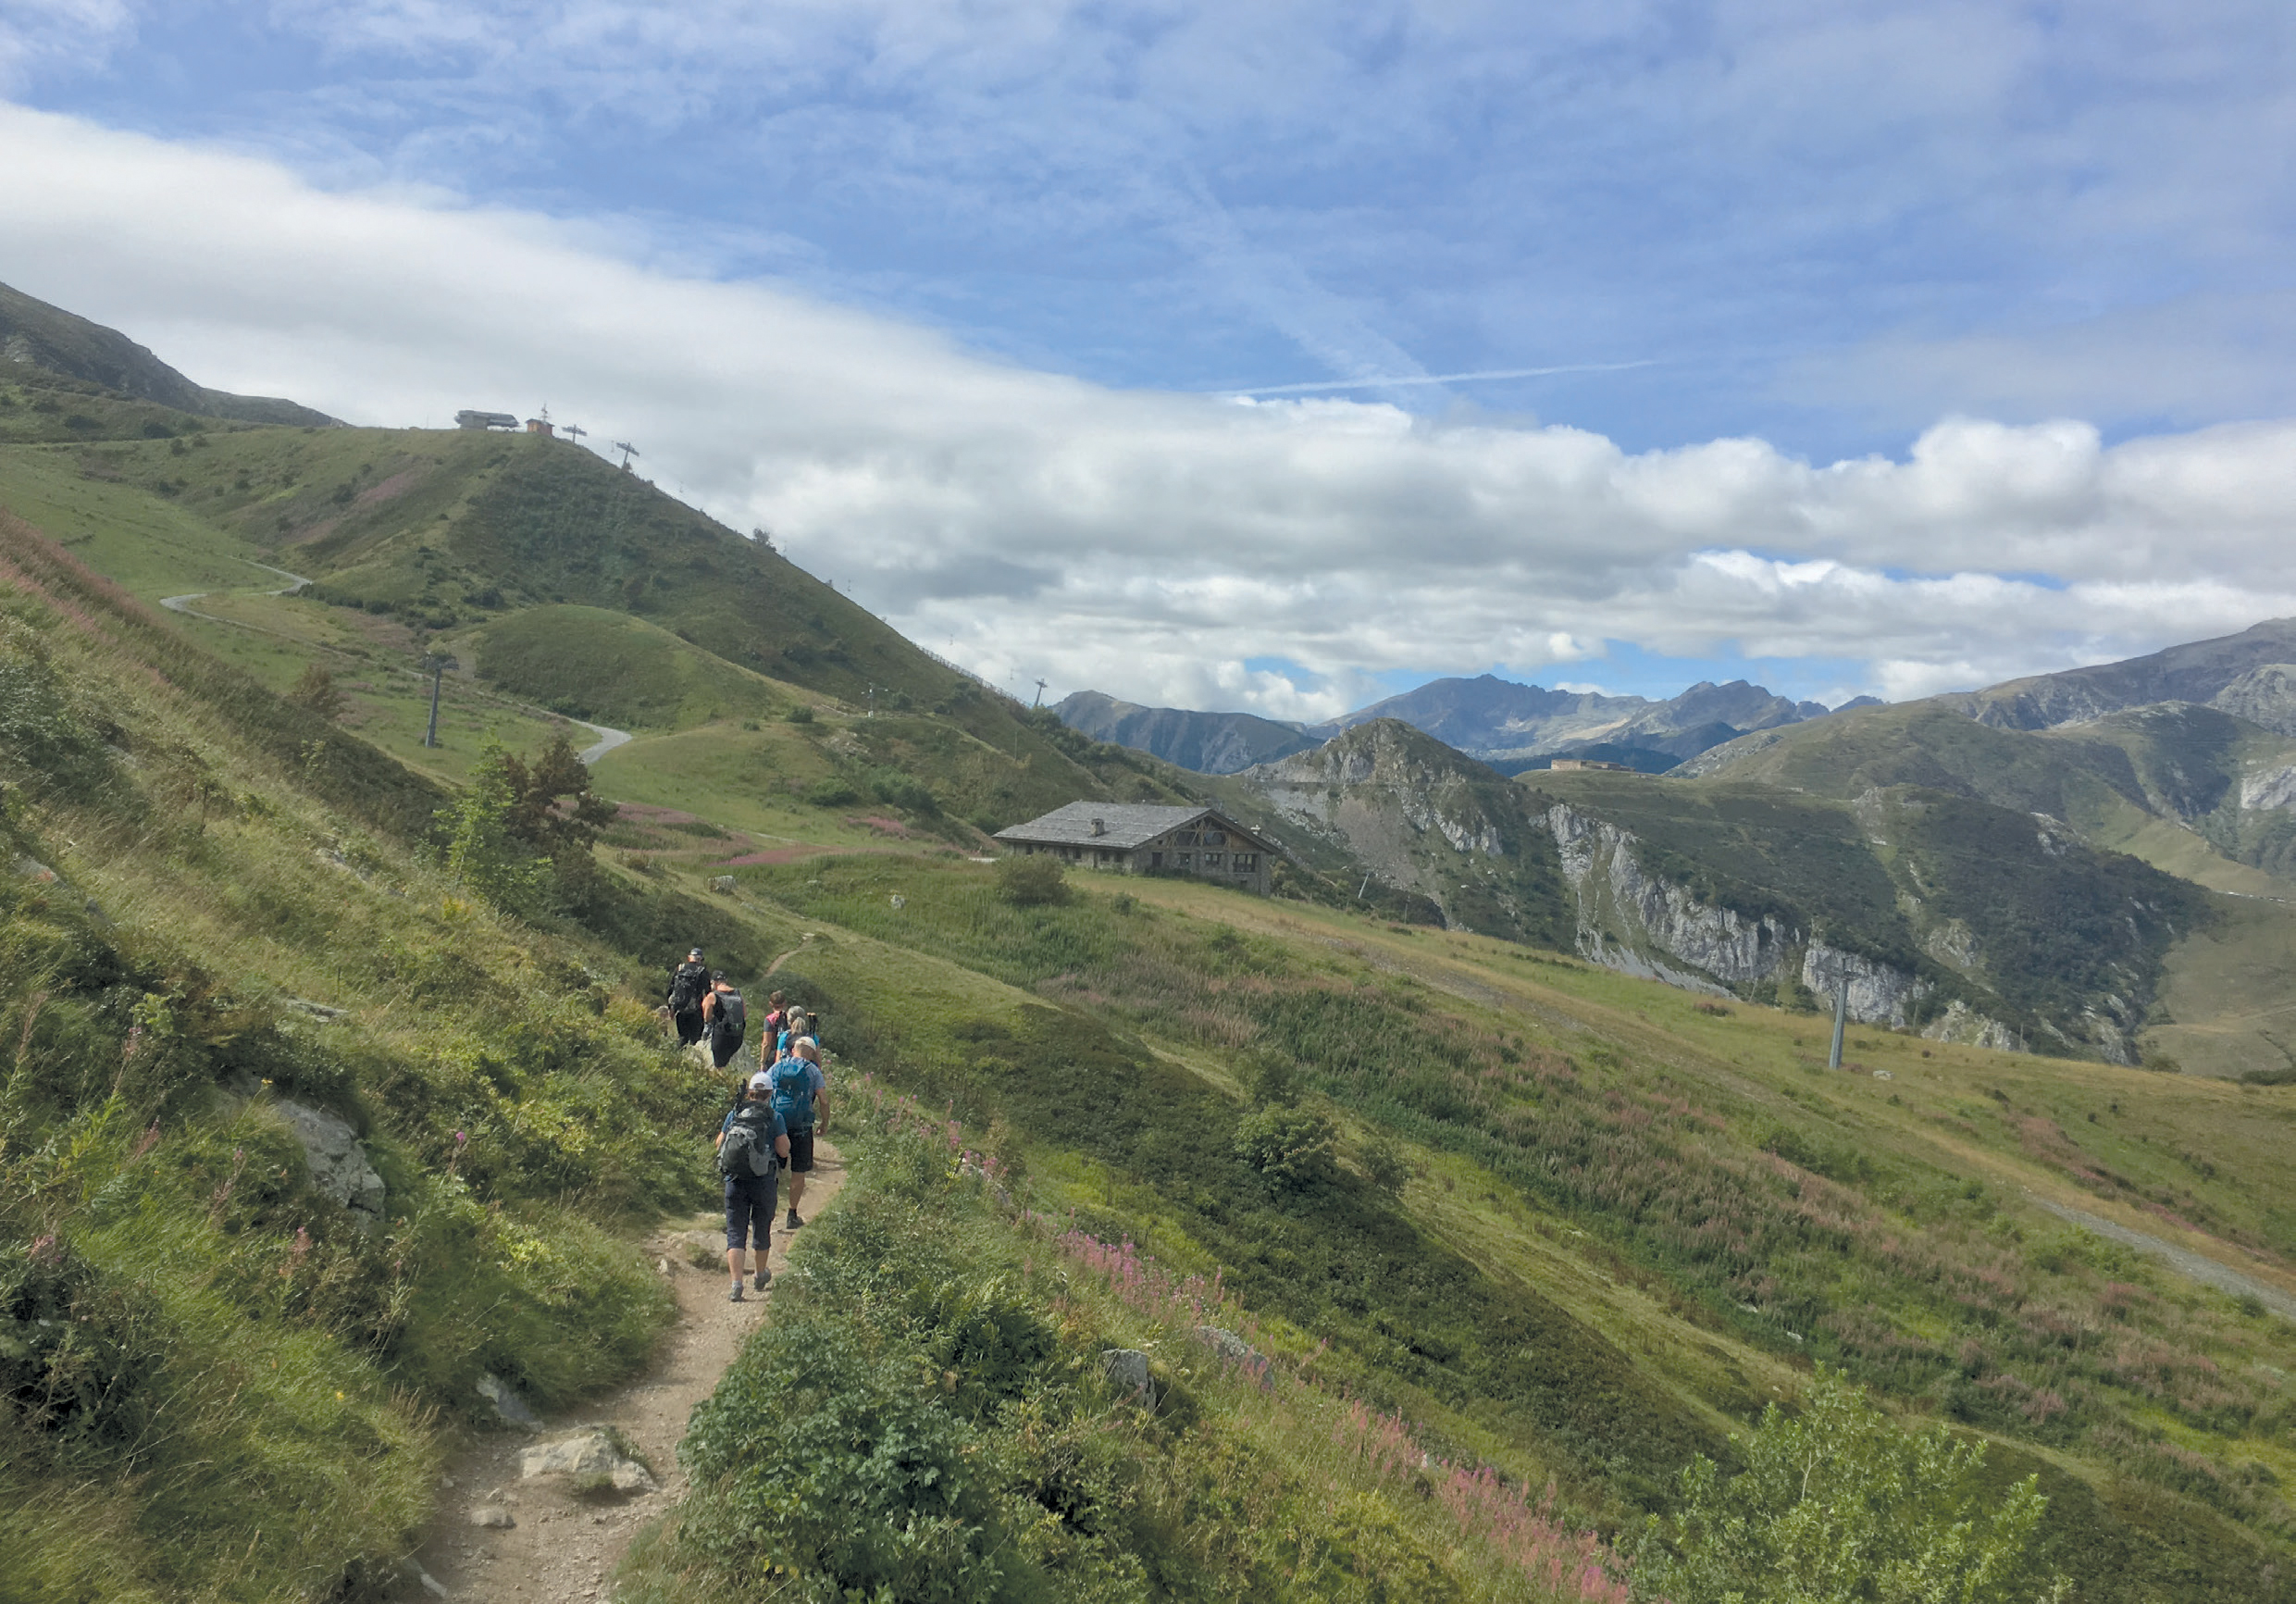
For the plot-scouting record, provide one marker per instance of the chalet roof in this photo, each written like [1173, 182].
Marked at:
[1126, 825]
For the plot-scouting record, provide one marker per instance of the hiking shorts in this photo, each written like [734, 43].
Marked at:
[723, 1044]
[750, 1210]
[801, 1152]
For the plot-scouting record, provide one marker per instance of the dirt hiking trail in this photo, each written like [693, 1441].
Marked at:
[564, 1545]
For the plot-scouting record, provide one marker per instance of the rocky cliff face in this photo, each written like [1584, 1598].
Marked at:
[1633, 922]
[1640, 924]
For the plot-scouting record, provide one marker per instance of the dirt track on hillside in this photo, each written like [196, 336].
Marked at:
[565, 1548]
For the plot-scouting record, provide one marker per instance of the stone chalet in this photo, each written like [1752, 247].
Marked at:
[1136, 838]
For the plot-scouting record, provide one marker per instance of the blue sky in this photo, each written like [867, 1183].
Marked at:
[1823, 227]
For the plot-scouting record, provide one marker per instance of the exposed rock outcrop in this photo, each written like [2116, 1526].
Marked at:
[1127, 1369]
[1631, 921]
[337, 1159]
[2269, 788]
[509, 1408]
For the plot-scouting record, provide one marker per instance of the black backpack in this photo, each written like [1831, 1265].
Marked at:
[733, 1014]
[687, 985]
[748, 1148]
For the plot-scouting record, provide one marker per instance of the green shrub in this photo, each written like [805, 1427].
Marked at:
[800, 714]
[1032, 881]
[832, 793]
[1292, 1146]
[1837, 1504]
[886, 1490]
[890, 785]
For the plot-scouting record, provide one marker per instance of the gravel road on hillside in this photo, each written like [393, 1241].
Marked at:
[2204, 1270]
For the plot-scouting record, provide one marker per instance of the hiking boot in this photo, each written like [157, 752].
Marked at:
[792, 1223]
[735, 1296]
[763, 1276]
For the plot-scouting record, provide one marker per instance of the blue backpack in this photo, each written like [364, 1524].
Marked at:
[793, 1093]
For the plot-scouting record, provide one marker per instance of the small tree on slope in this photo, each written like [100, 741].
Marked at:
[1837, 1506]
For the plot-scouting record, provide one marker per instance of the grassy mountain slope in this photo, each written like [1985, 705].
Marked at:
[559, 580]
[1741, 1212]
[1422, 819]
[1576, 1227]
[1573, 1226]
[54, 343]
[218, 1383]
[2248, 674]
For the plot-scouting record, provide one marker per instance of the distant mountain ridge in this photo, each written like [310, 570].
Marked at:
[1499, 720]
[2251, 675]
[1207, 743]
[1508, 725]
[36, 335]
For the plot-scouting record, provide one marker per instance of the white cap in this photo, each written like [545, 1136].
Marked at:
[760, 1081]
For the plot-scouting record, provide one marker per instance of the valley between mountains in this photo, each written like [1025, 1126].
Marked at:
[1452, 1199]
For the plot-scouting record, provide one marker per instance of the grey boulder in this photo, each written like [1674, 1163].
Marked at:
[337, 1159]
[590, 1456]
[509, 1408]
[1128, 1368]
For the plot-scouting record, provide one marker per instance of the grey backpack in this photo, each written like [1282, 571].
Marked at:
[748, 1148]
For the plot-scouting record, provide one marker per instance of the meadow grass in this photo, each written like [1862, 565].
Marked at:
[1236, 1478]
[1712, 1165]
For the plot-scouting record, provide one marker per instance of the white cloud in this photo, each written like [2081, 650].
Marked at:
[1153, 544]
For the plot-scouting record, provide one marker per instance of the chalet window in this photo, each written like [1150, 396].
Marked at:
[1215, 839]
[1245, 863]
[1187, 860]
[1212, 860]
[1187, 838]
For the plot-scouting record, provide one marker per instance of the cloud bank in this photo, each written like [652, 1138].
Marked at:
[1153, 544]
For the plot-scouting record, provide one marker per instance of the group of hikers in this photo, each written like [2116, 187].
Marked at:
[776, 1113]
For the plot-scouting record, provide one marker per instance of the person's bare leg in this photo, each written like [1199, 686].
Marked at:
[797, 1191]
[733, 1263]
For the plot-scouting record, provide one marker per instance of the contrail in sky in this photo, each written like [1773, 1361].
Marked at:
[1430, 378]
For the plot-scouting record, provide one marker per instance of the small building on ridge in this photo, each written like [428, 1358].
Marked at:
[1138, 838]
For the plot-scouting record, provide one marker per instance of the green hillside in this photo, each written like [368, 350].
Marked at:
[1516, 1235]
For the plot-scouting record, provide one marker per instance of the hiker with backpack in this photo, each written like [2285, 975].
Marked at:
[802, 1101]
[727, 1018]
[688, 984]
[752, 1143]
